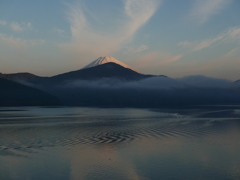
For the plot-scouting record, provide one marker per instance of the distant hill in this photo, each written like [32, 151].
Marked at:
[15, 94]
[25, 77]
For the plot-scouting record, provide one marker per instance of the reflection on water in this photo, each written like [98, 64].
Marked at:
[97, 143]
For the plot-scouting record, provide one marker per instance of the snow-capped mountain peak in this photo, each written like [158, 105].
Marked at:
[104, 60]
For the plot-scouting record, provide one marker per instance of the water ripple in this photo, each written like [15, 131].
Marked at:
[98, 131]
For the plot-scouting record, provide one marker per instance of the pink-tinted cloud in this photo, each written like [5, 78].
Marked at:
[232, 35]
[3, 23]
[155, 59]
[18, 43]
[20, 27]
[90, 43]
[202, 10]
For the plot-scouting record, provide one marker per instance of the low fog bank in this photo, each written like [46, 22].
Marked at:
[150, 92]
[154, 83]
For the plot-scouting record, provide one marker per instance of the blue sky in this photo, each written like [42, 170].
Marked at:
[171, 37]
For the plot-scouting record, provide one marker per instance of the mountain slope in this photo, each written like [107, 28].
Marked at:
[104, 60]
[24, 77]
[107, 70]
[14, 94]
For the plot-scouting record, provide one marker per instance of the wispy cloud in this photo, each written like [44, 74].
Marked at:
[86, 40]
[232, 35]
[172, 59]
[136, 49]
[155, 59]
[229, 63]
[204, 9]
[139, 12]
[196, 46]
[59, 31]
[15, 26]
[13, 42]
[3, 23]
[234, 53]
[19, 43]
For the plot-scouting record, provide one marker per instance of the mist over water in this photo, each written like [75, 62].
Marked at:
[200, 142]
[157, 82]
[149, 92]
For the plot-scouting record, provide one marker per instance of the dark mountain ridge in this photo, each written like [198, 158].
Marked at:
[25, 77]
[15, 94]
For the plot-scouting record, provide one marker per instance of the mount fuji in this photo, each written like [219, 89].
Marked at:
[104, 60]
[103, 67]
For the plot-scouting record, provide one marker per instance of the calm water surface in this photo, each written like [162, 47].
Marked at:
[120, 144]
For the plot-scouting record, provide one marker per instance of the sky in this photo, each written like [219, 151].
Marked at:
[169, 37]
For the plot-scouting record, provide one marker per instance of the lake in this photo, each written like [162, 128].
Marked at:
[76, 143]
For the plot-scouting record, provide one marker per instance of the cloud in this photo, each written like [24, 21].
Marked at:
[205, 82]
[196, 46]
[224, 66]
[139, 12]
[204, 9]
[234, 53]
[13, 42]
[155, 59]
[89, 41]
[3, 23]
[232, 35]
[149, 92]
[112, 83]
[19, 43]
[59, 31]
[136, 49]
[172, 59]
[20, 27]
